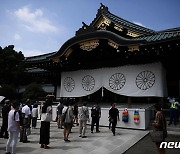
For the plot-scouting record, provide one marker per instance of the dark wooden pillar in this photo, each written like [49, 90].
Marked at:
[129, 101]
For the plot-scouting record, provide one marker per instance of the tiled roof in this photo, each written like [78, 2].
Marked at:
[160, 36]
[128, 25]
[35, 70]
[40, 57]
[104, 11]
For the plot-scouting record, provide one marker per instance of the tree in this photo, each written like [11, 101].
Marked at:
[12, 66]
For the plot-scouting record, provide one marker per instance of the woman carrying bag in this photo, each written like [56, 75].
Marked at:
[160, 130]
[46, 118]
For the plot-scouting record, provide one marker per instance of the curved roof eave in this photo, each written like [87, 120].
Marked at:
[39, 58]
[99, 34]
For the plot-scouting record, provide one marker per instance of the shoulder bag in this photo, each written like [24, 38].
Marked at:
[156, 136]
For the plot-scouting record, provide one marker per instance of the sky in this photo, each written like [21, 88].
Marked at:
[38, 27]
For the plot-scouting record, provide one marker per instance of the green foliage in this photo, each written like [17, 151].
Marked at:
[33, 91]
[12, 66]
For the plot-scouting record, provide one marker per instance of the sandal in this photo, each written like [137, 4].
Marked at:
[42, 146]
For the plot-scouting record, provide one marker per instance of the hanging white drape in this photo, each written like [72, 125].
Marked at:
[130, 80]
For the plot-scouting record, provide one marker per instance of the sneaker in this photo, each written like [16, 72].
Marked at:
[80, 135]
[66, 140]
[91, 131]
[84, 136]
[46, 147]
[98, 131]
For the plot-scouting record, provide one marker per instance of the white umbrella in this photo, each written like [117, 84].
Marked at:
[1, 98]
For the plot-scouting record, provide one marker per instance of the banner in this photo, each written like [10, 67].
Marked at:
[129, 80]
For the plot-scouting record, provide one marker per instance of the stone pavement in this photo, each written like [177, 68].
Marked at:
[96, 143]
[146, 146]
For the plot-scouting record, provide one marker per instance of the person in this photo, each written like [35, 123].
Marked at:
[96, 115]
[26, 115]
[13, 128]
[59, 114]
[45, 125]
[34, 115]
[178, 111]
[173, 111]
[5, 110]
[71, 107]
[160, 125]
[110, 120]
[67, 112]
[76, 114]
[114, 116]
[83, 118]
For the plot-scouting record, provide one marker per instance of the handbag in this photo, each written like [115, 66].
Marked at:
[28, 131]
[157, 136]
[46, 117]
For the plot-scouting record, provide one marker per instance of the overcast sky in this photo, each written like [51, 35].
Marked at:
[41, 26]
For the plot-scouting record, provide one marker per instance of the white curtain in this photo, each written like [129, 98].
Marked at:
[130, 80]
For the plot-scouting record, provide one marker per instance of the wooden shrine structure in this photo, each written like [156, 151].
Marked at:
[110, 41]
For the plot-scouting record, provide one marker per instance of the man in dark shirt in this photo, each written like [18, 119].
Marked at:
[59, 114]
[114, 116]
[5, 110]
[96, 115]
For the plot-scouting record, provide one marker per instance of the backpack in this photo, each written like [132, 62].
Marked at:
[20, 117]
[63, 116]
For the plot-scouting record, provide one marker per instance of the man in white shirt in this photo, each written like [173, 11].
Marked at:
[26, 114]
[13, 128]
[83, 118]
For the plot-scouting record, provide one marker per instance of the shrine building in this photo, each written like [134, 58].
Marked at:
[112, 59]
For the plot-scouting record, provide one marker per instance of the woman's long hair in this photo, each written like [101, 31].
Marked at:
[47, 103]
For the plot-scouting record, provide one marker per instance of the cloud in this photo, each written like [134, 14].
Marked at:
[34, 21]
[138, 23]
[17, 37]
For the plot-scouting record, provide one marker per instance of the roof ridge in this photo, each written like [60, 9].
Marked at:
[104, 11]
[170, 30]
[131, 22]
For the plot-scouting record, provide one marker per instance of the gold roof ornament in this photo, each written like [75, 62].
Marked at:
[113, 44]
[133, 48]
[56, 60]
[103, 23]
[89, 45]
